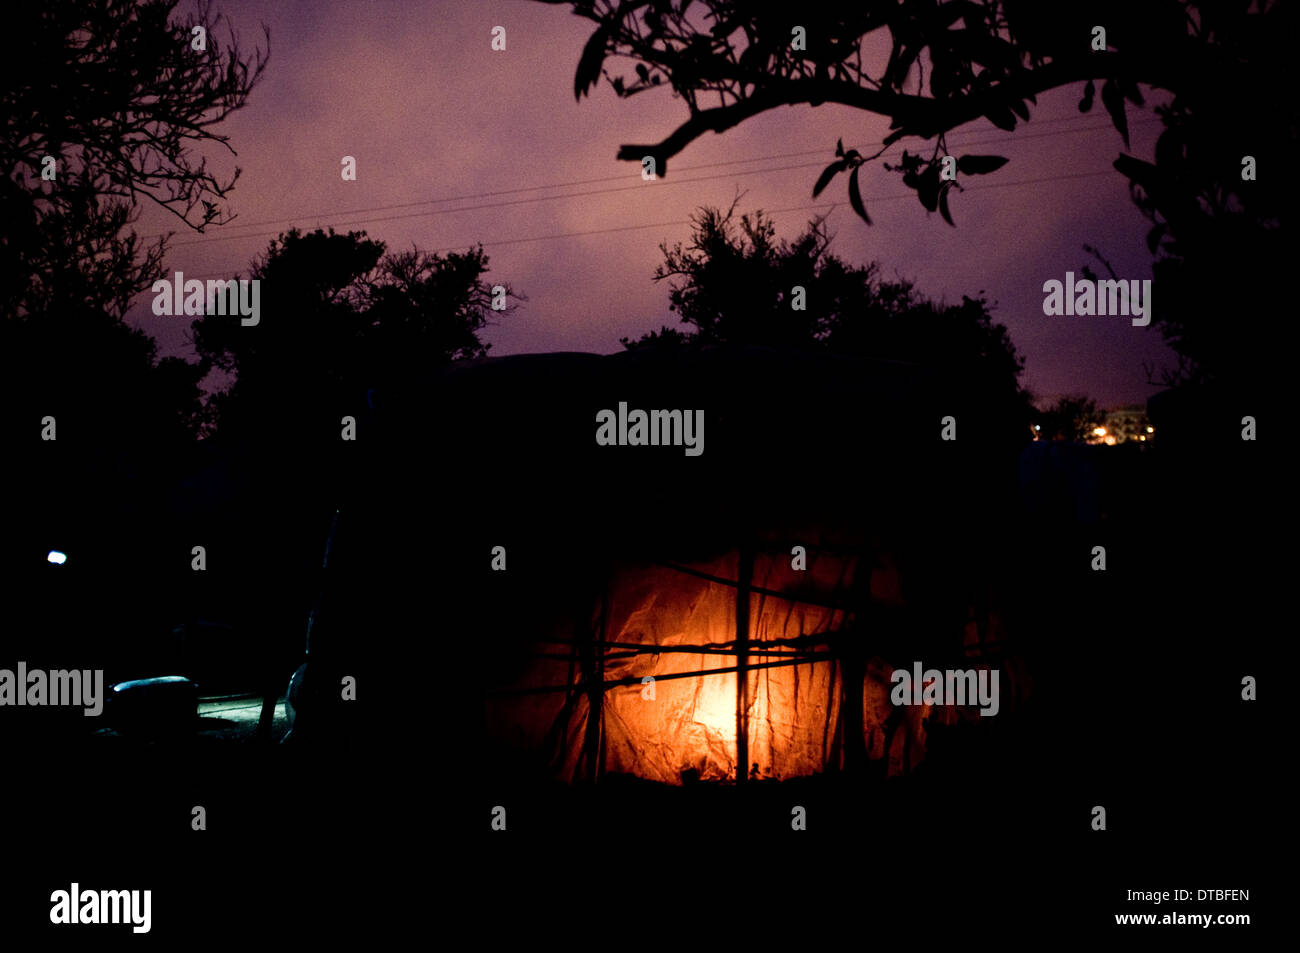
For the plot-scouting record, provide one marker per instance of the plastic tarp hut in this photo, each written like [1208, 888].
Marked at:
[622, 564]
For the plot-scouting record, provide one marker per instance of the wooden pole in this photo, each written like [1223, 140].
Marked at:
[746, 571]
[593, 673]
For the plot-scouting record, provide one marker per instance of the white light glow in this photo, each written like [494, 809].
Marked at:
[56, 557]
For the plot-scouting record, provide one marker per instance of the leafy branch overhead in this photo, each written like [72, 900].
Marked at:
[949, 62]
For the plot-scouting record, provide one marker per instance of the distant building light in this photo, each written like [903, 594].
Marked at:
[1110, 441]
[56, 557]
[1036, 427]
[1141, 438]
[1151, 430]
[1099, 432]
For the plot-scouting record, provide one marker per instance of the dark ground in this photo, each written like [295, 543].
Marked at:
[1137, 708]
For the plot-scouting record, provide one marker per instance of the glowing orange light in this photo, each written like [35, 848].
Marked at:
[715, 705]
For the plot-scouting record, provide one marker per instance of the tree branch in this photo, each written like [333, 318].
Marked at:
[913, 115]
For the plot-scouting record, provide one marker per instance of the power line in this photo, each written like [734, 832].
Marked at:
[617, 178]
[775, 211]
[621, 177]
[800, 208]
[544, 198]
[590, 192]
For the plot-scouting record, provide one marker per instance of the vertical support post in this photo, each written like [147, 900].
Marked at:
[851, 648]
[743, 577]
[592, 658]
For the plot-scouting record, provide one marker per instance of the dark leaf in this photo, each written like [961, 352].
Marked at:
[943, 207]
[897, 71]
[980, 165]
[855, 196]
[1113, 100]
[830, 172]
[1089, 91]
[593, 55]
[927, 189]
[1136, 170]
[839, 147]
[643, 72]
[1002, 117]
[1019, 108]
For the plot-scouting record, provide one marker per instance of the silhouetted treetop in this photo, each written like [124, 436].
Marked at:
[735, 282]
[342, 316]
[116, 102]
[1071, 417]
[118, 90]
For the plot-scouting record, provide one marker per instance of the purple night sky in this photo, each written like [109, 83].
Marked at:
[430, 112]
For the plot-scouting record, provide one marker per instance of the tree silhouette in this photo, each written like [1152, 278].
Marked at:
[1072, 417]
[106, 99]
[1219, 200]
[931, 66]
[341, 318]
[734, 283]
[101, 380]
[115, 94]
